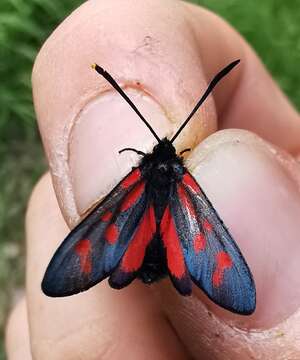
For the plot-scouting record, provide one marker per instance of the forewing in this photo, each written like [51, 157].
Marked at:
[212, 257]
[133, 257]
[171, 238]
[94, 248]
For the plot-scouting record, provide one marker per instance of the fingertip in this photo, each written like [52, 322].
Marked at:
[256, 194]
[254, 187]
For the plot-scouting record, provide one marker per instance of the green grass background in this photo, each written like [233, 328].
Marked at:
[271, 26]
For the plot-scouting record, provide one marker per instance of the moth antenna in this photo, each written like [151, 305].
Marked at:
[209, 89]
[114, 84]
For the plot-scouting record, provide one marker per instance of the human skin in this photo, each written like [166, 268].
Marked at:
[163, 53]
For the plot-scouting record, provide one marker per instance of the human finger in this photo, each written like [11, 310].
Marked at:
[17, 342]
[83, 121]
[254, 186]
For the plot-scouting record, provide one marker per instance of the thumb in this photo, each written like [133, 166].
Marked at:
[84, 122]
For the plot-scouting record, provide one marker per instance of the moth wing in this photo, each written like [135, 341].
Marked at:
[171, 238]
[133, 257]
[94, 248]
[212, 257]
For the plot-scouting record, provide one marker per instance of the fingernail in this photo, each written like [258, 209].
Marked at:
[255, 189]
[106, 125]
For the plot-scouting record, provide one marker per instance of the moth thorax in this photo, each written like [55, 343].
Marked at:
[163, 168]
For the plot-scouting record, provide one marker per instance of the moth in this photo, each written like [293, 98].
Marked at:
[156, 222]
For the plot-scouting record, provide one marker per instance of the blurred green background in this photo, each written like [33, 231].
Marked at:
[271, 26]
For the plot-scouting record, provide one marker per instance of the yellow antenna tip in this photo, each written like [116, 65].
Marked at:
[93, 66]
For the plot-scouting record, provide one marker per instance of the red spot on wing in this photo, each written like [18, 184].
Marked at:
[223, 262]
[199, 243]
[112, 233]
[207, 225]
[134, 256]
[185, 200]
[172, 244]
[83, 249]
[188, 180]
[132, 197]
[131, 179]
[107, 216]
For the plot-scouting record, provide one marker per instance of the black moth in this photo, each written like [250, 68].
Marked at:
[156, 221]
